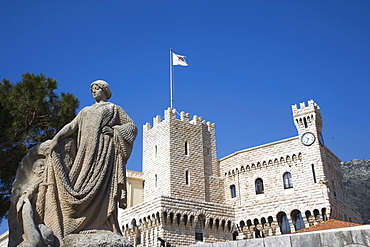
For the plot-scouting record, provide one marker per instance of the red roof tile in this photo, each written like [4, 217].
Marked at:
[329, 224]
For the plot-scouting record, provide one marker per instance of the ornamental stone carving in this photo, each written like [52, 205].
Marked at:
[66, 191]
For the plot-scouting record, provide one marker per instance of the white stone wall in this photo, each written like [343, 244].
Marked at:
[174, 219]
[135, 187]
[180, 158]
[176, 149]
[313, 193]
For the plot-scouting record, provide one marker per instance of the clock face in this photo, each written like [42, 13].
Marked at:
[308, 138]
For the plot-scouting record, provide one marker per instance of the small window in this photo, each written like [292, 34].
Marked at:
[156, 151]
[156, 180]
[186, 148]
[288, 181]
[313, 173]
[187, 177]
[233, 191]
[259, 186]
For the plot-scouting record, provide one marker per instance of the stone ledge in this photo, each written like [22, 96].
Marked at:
[99, 239]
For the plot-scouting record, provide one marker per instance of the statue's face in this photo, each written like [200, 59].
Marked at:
[38, 167]
[98, 93]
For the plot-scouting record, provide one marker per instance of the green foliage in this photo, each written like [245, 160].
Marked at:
[30, 112]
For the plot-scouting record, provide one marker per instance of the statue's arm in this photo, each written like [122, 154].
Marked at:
[66, 131]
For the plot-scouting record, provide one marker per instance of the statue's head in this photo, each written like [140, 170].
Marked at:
[38, 167]
[104, 86]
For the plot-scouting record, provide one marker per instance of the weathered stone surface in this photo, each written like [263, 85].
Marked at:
[69, 187]
[253, 242]
[101, 239]
[280, 241]
[307, 240]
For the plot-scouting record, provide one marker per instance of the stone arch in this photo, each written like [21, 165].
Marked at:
[241, 224]
[282, 160]
[185, 220]
[263, 220]
[223, 225]
[283, 222]
[171, 218]
[192, 220]
[300, 156]
[253, 166]
[294, 158]
[324, 215]
[242, 169]
[229, 226]
[211, 223]
[288, 159]
[248, 168]
[164, 217]
[316, 212]
[259, 165]
[217, 224]
[270, 163]
[178, 219]
[158, 216]
[297, 219]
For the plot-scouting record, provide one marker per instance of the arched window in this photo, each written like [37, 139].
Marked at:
[259, 186]
[305, 122]
[298, 221]
[233, 191]
[288, 181]
[199, 230]
[283, 223]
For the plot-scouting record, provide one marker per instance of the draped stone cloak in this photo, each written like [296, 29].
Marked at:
[80, 195]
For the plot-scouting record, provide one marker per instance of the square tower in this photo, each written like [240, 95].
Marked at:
[179, 158]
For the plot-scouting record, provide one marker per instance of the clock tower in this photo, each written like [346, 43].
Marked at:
[308, 121]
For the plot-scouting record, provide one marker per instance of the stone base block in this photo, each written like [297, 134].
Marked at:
[99, 239]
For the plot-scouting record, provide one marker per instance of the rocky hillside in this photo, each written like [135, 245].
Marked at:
[356, 181]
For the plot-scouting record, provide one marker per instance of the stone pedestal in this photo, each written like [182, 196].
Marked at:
[96, 240]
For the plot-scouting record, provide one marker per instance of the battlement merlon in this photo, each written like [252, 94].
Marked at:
[303, 109]
[170, 114]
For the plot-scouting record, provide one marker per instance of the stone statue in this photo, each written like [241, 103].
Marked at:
[76, 188]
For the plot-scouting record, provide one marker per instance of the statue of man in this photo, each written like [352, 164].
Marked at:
[33, 235]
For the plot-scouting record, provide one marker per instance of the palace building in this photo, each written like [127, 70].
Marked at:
[186, 195]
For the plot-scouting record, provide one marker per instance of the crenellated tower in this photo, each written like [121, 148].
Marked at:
[180, 158]
[307, 119]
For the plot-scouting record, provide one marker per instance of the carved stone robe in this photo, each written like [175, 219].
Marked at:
[80, 195]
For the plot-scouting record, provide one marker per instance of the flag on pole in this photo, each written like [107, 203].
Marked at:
[178, 60]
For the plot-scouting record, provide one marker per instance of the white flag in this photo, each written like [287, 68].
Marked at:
[178, 60]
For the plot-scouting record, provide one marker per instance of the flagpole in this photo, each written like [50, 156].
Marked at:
[171, 80]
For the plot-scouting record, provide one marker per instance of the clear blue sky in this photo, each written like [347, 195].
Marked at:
[249, 61]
